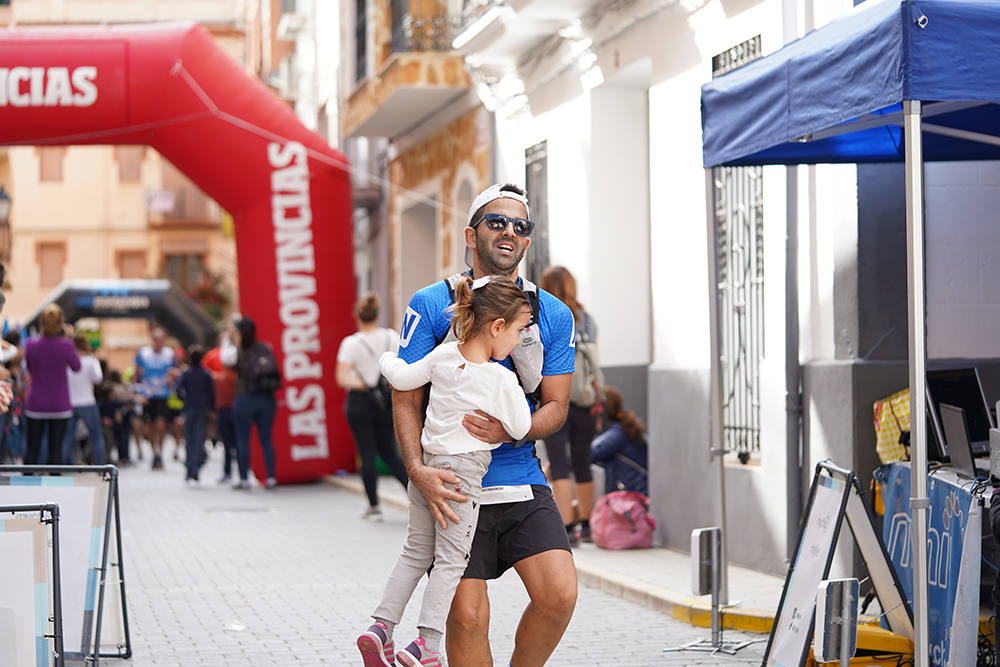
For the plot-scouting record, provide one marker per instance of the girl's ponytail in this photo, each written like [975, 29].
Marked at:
[462, 316]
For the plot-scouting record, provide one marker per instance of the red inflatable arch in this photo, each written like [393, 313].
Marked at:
[171, 87]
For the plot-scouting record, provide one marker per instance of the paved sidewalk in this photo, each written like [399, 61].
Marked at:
[287, 577]
[657, 578]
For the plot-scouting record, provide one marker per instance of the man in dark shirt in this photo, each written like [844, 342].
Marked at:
[196, 389]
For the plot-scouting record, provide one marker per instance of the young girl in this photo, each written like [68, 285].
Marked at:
[487, 317]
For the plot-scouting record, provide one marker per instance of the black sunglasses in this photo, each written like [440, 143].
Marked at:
[497, 223]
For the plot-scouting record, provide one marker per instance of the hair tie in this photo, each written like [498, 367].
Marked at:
[479, 282]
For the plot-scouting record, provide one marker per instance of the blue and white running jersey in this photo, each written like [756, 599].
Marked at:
[426, 322]
[154, 366]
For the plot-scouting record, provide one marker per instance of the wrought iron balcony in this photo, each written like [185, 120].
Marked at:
[415, 31]
[421, 74]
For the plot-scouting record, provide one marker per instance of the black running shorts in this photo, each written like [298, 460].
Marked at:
[510, 532]
[155, 408]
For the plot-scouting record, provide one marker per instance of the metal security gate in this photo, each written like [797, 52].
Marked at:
[739, 262]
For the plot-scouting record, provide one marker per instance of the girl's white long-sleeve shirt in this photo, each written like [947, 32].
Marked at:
[460, 387]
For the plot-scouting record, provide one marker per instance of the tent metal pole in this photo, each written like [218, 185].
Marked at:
[793, 370]
[716, 442]
[919, 503]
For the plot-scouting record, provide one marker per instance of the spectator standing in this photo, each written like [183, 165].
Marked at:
[568, 448]
[154, 362]
[12, 421]
[622, 448]
[81, 397]
[254, 402]
[225, 393]
[196, 389]
[369, 411]
[47, 407]
[118, 412]
[132, 379]
[175, 406]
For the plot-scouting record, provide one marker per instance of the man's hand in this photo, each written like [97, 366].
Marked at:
[487, 428]
[431, 483]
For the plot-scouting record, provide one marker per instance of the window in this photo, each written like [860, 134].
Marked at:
[536, 181]
[402, 23]
[185, 271]
[738, 196]
[51, 258]
[360, 40]
[129, 163]
[190, 203]
[50, 163]
[131, 263]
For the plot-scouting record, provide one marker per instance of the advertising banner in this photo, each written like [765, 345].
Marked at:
[946, 525]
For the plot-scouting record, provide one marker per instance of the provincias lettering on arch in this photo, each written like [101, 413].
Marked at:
[48, 86]
[298, 311]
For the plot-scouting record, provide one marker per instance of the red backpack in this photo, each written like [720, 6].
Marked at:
[620, 520]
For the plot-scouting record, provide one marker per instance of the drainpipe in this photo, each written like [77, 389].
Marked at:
[793, 370]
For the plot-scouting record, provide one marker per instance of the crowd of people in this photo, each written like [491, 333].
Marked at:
[66, 406]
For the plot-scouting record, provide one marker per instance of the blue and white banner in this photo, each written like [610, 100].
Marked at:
[947, 521]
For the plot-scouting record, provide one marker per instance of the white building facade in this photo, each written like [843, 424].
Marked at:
[595, 106]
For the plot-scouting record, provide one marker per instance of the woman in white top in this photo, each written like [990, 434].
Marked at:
[369, 411]
[81, 397]
[487, 317]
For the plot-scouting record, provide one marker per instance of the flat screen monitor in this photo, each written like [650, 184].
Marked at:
[962, 388]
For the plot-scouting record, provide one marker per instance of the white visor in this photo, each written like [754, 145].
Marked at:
[493, 193]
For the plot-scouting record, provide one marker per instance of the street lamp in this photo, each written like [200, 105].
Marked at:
[5, 206]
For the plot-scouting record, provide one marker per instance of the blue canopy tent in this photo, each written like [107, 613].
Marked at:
[892, 81]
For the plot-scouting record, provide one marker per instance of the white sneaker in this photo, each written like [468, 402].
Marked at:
[270, 483]
[373, 514]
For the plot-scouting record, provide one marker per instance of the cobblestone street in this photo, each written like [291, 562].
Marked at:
[287, 577]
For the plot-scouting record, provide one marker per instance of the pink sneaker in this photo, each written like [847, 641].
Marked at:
[417, 655]
[376, 646]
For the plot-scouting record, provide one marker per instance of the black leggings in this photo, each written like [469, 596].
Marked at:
[373, 434]
[56, 432]
[572, 443]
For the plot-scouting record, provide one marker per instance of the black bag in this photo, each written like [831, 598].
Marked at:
[260, 369]
[381, 393]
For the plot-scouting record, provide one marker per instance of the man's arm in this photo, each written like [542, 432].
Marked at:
[228, 354]
[605, 446]
[348, 378]
[408, 415]
[546, 420]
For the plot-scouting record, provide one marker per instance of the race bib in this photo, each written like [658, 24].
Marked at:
[495, 495]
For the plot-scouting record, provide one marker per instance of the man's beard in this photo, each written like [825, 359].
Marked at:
[504, 266]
